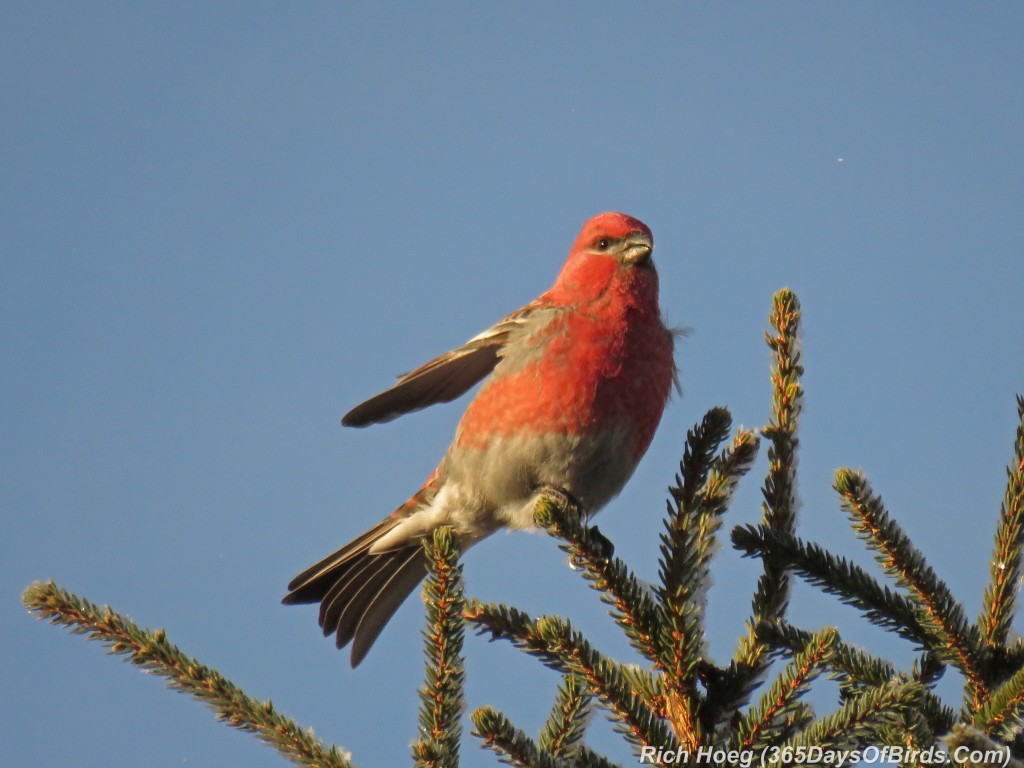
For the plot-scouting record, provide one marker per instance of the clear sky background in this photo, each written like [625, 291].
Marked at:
[223, 225]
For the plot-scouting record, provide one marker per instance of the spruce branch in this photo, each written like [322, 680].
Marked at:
[911, 731]
[837, 576]
[773, 714]
[588, 758]
[1003, 713]
[689, 540]
[512, 746]
[727, 693]
[553, 640]
[850, 666]
[727, 470]
[856, 588]
[152, 651]
[778, 512]
[787, 402]
[685, 551]
[632, 606]
[999, 606]
[857, 670]
[442, 694]
[564, 728]
[940, 611]
[862, 718]
[702, 442]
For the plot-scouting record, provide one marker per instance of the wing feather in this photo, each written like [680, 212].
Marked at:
[442, 379]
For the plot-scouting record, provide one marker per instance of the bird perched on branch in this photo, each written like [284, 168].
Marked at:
[576, 384]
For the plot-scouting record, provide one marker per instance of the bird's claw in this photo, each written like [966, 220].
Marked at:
[605, 548]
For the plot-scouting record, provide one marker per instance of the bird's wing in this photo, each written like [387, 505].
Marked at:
[444, 378]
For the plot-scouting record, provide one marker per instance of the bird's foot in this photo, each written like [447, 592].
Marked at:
[605, 549]
[562, 498]
[600, 544]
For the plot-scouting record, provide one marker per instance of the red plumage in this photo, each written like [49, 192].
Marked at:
[576, 384]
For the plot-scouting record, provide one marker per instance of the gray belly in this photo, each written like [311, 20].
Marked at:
[510, 470]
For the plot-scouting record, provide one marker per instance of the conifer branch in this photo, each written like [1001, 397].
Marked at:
[702, 442]
[514, 747]
[441, 695]
[153, 652]
[554, 641]
[911, 731]
[943, 615]
[773, 715]
[1000, 594]
[588, 758]
[857, 588]
[564, 728]
[727, 693]
[685, 551]
[857, 670]
[632, 606]
[837, 576]
[649, 687]
[779, 491]
[511, 745]
[727, 469]
[849, 665]
[689, 540]
[1003, 713]
[862, 718]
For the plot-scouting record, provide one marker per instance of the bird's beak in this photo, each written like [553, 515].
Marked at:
[637, 249]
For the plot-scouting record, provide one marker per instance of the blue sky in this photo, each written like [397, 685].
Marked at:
[225, 224]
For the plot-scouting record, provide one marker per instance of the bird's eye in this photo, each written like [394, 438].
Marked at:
[603, 244]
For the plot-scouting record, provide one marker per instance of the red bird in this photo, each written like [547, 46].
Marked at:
[576, 384]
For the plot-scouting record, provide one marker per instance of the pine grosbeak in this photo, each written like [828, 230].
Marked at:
[576, 384]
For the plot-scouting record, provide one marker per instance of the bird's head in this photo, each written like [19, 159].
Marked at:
[629, 241]
[611, 248]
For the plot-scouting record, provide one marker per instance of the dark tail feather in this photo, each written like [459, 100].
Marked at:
[359, 592]
[312, 584]
[392, 593]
